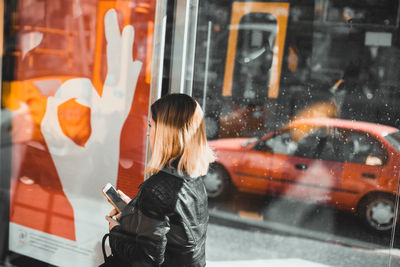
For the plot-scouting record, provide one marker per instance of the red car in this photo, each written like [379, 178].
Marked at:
[349, 165]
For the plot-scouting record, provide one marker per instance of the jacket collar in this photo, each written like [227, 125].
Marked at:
[174, 172]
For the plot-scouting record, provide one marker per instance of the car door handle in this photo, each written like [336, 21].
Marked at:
[300, 166]
[368, 175]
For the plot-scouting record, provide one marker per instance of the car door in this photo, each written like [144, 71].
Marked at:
[364, 159]
[312, 173]
[263, 165]
[252, 171]
[282, 147]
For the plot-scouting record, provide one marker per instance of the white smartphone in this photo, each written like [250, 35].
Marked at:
[113, 197]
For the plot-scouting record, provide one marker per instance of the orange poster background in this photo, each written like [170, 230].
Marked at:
[72, 45]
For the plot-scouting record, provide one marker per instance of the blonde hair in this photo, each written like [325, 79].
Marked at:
[179, 135]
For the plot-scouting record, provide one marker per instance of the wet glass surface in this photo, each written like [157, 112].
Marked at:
[301, 110]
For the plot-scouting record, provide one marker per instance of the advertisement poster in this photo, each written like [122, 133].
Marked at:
[79, 102]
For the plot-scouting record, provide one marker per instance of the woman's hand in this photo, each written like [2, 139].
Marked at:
[114, 213]
[113, 222]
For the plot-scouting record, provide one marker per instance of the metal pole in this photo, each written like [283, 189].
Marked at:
[158, 50]
[157, 59]
[184, 42]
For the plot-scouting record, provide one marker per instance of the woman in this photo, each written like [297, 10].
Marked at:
[168, 218]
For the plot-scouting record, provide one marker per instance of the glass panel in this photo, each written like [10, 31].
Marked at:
[301, 110]
[77, 93]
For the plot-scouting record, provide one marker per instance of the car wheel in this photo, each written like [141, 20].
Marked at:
[217, 181]
[379, 212]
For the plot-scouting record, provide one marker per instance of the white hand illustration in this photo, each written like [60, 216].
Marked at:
[83, 171]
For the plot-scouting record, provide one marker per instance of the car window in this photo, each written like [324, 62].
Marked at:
[328, 149]
[280, 143]
[394, 139]
[316, 145]
[328, 144]
[358, 147]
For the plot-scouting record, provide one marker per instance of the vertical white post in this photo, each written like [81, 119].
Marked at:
[183, 50]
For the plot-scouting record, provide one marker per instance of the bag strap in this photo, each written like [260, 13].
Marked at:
[103, 245]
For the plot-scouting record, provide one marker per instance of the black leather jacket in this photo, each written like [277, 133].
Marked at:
[166, 222]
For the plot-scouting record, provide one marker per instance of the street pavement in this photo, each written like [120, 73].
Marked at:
[264, 263]
[228, 246]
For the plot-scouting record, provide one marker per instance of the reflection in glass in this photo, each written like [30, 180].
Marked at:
[323, 154]
[253, 58]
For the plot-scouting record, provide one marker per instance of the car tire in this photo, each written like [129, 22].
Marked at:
[217, 181]
[378, 212]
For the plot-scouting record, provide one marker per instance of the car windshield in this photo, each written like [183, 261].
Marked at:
[250, 141]
[394, 139]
